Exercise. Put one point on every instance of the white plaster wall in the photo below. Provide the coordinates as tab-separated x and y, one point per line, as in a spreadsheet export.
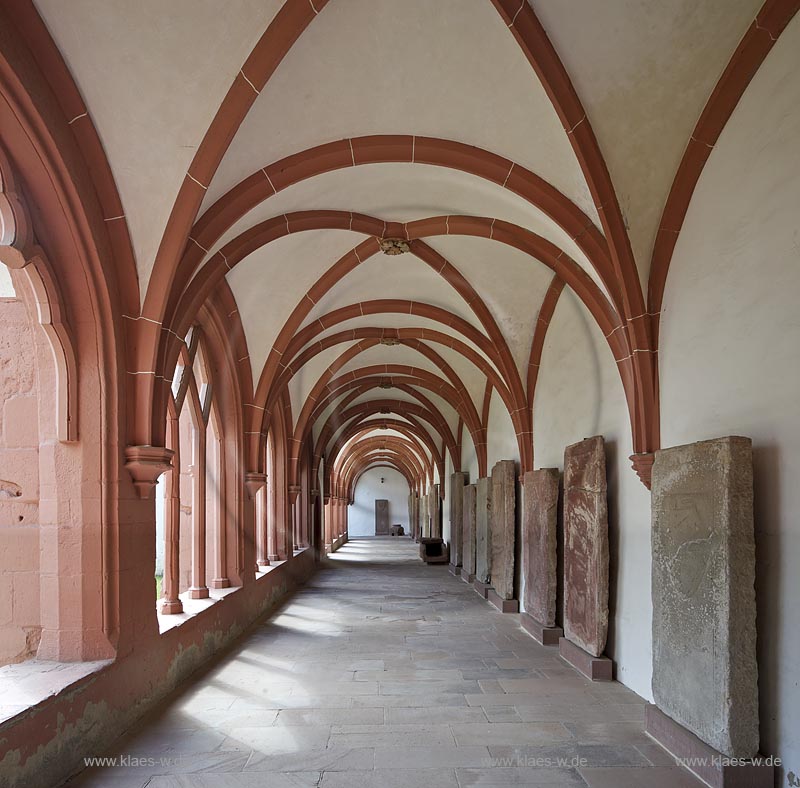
729	357
644	70
579	394
501	440
6	285
469	459
448	472
361	521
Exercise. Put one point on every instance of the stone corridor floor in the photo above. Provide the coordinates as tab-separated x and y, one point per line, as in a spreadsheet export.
385	672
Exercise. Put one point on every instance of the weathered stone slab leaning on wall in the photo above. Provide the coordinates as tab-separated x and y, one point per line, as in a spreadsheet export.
483	532
468	532
435	512
424	525
705	674
586	545
539	544
503	527
457	482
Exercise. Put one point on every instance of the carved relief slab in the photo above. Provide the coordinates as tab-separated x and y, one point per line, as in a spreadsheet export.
457	481
503	527
539	546
483	530
468	529
586	545
703	574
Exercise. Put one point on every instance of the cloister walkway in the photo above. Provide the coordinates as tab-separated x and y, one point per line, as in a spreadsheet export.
386	672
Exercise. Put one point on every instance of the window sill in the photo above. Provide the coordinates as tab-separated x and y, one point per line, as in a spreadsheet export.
192	607
267	569
27	684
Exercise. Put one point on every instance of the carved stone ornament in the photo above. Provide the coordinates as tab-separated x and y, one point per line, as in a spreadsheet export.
393	246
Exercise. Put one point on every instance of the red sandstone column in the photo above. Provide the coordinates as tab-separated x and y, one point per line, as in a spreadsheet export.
272	536
253	484
328	525
274	549
133	609
294	516
315	514
199	590
170	602
341	519
304	535
308	518
283	521
221	579
305	518
262	552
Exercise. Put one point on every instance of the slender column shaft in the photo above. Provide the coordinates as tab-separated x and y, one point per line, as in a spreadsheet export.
170	602
221	579
262	549
272	537
199	590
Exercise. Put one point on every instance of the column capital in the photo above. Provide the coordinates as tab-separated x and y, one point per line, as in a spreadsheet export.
294	491
253	482
145	464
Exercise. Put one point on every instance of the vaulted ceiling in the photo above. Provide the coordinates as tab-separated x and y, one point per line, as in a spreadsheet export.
274	145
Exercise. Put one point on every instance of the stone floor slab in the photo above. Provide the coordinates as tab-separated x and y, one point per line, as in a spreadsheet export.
652	777
529	777
390	778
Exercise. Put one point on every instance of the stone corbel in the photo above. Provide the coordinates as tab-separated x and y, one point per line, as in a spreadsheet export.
253	482
643	465
145	464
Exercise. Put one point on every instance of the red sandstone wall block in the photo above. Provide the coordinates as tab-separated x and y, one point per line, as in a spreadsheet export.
21	422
